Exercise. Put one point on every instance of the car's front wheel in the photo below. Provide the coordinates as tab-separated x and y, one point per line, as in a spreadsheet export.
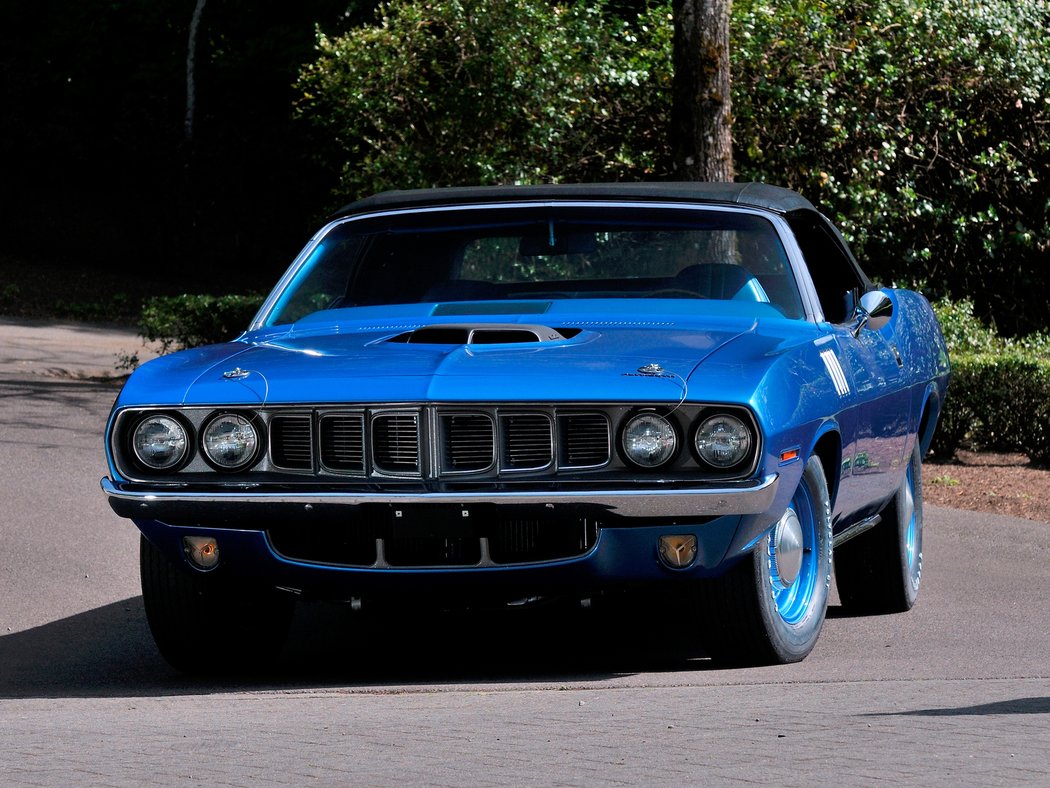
770	608
203	623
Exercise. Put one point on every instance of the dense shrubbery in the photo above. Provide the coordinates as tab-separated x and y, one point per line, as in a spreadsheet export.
179	322
999	396
921	126
453	92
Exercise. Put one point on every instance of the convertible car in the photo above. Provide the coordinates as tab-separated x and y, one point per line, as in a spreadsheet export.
489	395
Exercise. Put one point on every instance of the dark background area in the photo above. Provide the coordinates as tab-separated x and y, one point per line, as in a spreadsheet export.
104	201
98	176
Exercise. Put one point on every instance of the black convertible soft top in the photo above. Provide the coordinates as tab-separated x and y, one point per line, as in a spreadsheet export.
758	195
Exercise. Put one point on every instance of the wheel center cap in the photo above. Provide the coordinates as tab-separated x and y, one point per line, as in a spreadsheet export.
787	547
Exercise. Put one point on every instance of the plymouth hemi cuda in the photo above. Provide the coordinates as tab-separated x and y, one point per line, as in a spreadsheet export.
489	395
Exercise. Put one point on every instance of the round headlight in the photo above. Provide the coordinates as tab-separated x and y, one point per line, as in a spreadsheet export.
723	441
649	440
159	442
230	441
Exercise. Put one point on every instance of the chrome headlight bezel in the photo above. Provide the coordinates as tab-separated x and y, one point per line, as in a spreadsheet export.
180	440
724	442
658	433
228	428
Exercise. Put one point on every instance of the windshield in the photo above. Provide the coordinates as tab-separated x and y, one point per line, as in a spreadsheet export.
542	253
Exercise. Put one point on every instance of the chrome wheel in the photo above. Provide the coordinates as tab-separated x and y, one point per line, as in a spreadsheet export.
792	570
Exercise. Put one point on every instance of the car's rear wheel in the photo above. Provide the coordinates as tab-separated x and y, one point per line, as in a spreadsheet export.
203	623
770	608
880	571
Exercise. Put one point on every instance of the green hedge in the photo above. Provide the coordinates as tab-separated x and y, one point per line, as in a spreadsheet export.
999	396
999	402
180	322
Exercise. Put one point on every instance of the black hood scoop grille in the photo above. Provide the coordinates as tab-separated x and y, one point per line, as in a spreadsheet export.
484	334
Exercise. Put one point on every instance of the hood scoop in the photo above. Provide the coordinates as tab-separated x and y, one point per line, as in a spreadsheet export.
484	334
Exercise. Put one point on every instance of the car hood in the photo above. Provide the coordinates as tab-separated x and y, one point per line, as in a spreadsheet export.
633	361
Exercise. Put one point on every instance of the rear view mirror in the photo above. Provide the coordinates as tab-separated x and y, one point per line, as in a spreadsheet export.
563	243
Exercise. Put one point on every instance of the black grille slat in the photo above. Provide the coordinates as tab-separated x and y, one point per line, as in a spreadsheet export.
343	442
395	443
528	441
469	442
291	442
584	440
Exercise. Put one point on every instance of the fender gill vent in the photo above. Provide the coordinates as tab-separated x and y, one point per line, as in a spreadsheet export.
487	334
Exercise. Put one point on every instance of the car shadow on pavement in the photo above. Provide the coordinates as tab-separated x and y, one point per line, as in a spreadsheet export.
1034	705
109	652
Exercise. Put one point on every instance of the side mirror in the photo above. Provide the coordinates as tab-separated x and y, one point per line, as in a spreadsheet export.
874	311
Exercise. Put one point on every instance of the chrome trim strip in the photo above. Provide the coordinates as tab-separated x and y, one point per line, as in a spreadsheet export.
752	498
855	530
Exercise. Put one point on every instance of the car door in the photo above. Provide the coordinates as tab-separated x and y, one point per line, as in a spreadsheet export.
875	423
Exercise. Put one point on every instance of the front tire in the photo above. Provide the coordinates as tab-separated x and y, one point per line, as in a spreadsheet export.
770	608
880	571
203	623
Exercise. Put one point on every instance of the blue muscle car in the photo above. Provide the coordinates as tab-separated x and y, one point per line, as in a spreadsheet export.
509	393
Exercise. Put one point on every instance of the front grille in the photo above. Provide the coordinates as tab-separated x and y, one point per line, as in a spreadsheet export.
445	447
291	442
364	442
528	441
584	440
371	540
395	443
343	442
528	541
469	442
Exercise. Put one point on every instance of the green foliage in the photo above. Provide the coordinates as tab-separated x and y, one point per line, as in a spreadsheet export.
963	331
113	307
999	401
999	396
447	92
921	126
10	294
185	321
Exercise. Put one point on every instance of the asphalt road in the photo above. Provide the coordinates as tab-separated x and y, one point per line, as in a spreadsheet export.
955	692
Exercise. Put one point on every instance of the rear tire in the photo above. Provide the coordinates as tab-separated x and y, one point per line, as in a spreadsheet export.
770	608
203	623
880	571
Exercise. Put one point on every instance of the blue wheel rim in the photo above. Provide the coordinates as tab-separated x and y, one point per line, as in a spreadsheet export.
793	600
913	529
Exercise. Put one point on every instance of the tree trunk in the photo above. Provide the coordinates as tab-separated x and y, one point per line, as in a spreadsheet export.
701	112
191	81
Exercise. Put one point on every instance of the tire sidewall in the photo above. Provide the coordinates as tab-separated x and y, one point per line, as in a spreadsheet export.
792	641
911	572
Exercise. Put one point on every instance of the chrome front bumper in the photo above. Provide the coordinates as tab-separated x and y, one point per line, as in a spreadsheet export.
181	505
